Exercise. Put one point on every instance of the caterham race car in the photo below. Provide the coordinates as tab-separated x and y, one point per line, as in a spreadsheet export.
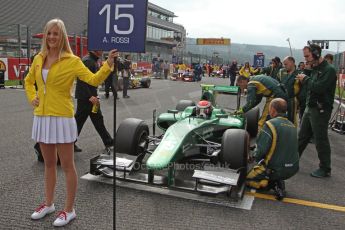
202	149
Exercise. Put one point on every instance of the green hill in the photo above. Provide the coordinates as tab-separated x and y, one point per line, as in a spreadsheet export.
244	52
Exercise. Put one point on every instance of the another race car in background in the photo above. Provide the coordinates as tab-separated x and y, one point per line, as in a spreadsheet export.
183	76
135	82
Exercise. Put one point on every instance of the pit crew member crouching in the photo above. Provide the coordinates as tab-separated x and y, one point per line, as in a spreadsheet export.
276	152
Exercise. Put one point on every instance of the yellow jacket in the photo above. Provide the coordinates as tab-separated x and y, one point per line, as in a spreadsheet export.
247	72
55	97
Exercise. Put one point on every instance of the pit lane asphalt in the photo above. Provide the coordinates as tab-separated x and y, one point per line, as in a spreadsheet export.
21	180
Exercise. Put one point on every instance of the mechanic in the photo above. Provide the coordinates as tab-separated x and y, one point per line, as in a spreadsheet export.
86	96
321	86
262	86
273	69
276	161
287	77
302	96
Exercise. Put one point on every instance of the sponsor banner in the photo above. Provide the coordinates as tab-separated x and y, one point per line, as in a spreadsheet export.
213	41
16	70
13	71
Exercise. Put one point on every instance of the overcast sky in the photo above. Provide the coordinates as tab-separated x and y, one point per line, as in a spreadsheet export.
267	22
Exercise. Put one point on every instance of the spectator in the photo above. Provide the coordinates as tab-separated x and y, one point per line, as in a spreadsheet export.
233	70
126	73
166	68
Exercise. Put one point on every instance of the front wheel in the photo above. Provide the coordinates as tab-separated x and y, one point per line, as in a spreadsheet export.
132	137
235	148
252	117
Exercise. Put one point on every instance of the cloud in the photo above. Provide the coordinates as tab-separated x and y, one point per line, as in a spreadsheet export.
268	22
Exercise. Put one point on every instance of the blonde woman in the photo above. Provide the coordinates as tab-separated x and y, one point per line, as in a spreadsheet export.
54	70
245	72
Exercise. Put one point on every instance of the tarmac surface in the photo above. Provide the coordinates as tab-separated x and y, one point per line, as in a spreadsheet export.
21	177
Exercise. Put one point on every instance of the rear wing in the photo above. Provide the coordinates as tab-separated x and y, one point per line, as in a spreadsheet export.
209	92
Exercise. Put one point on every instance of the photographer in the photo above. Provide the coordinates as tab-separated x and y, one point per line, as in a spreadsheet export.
321	86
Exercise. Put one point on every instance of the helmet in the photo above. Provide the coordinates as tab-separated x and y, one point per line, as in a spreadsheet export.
204	109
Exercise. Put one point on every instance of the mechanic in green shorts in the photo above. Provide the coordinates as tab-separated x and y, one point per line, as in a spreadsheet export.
262	86
287	77
276	151
321	86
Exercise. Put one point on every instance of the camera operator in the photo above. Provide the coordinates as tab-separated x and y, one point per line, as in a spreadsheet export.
321	86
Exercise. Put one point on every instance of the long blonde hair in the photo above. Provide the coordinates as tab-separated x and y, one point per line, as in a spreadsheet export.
63	44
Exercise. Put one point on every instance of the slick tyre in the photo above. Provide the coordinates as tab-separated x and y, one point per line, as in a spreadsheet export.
252	117
183	104
132	137
145	82
234	150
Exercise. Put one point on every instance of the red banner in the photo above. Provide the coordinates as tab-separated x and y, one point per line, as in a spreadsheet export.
16	71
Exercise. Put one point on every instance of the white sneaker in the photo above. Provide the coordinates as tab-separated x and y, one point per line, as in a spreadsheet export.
64	218
42	211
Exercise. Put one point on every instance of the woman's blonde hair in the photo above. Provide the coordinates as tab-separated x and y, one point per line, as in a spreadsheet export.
63	44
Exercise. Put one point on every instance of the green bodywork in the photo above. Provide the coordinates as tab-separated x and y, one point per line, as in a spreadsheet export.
183	130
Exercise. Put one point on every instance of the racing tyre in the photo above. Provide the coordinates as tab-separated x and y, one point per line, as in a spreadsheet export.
146	82
183	104
252	117
234	150
132	137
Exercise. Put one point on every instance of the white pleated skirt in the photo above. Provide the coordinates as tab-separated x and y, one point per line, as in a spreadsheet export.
54	130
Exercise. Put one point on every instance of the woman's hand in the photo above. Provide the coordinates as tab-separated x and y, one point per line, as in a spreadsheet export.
112	54
35	102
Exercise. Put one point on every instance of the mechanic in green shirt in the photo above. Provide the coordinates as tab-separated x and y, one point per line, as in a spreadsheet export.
321	86
273	69
287	77
262	86
302	96
276	151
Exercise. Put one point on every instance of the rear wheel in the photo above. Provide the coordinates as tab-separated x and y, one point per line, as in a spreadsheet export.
252	117
132	137
183	104
145	82
234	150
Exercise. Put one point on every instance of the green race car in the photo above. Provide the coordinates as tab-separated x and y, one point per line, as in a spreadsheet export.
203	148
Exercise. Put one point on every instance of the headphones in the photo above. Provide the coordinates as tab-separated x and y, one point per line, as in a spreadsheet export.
315	51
